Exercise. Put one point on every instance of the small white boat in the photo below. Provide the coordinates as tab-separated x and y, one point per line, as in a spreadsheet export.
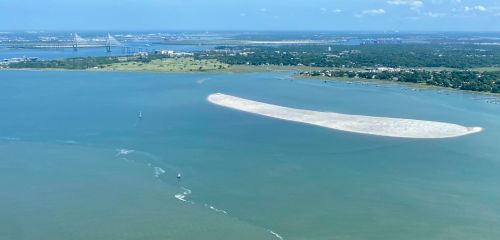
179	176
140	114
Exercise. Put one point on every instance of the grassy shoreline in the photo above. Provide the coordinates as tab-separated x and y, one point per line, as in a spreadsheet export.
417	86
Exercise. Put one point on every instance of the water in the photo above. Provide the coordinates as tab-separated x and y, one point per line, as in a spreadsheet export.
77	163
128	48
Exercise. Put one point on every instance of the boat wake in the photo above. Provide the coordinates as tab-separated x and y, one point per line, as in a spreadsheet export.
158	171
124	152
182	196
201	81
275	234
184	192
215	209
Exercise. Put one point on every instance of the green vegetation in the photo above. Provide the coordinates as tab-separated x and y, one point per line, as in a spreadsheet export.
486	81
168	65
397	55
466	67
70	63
153	63
459	66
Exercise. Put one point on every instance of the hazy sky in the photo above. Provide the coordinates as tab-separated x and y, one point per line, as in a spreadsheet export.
250	15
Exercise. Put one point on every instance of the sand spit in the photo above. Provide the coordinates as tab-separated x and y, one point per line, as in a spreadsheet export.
381	126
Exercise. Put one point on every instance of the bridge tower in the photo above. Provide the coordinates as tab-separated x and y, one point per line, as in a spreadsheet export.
108	43
75	42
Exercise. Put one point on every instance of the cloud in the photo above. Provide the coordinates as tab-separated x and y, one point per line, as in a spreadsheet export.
446	1
479	8
325	10
435	15
263	9
373	12
413	3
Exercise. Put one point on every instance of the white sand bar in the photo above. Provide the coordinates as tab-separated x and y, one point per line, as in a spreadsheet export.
382	126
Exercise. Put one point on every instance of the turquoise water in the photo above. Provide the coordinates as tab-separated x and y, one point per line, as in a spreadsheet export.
65	172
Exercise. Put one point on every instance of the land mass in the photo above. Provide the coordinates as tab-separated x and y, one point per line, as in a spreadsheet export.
380	126
458	66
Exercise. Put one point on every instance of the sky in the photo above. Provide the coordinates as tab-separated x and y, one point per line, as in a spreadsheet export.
295	15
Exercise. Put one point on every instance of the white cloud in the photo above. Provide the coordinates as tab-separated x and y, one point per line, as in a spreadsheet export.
263	9
435	15
325	10
479	8
373	12
243	14
413	4
437	2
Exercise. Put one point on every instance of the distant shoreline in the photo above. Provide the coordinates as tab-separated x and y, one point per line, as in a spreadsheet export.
234	69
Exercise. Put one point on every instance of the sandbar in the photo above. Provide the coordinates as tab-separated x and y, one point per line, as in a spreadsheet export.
373	125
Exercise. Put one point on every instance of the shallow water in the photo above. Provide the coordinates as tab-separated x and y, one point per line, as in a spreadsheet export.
67	170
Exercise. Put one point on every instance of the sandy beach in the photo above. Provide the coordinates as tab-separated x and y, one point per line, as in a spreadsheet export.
381	126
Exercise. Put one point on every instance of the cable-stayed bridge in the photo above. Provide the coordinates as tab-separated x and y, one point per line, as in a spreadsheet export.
76	42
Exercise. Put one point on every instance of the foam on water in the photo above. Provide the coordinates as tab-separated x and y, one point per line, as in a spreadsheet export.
182	196
201	81
185	192
275	234
157	171
216	209
124	151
